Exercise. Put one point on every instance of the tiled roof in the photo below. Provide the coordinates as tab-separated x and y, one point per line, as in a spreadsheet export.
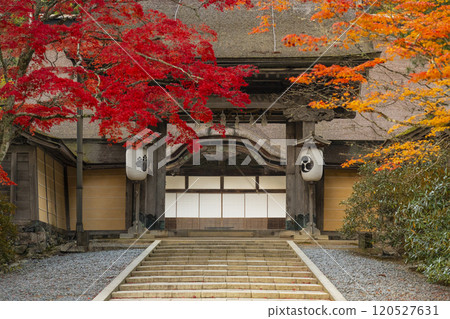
233	27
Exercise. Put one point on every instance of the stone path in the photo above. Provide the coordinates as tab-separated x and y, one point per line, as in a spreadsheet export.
231	269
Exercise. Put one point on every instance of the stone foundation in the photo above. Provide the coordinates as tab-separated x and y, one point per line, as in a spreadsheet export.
37	237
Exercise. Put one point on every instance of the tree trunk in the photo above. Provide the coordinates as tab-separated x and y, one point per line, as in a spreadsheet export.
6	137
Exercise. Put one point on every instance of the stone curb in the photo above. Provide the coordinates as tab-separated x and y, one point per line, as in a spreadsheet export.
106	293
326	283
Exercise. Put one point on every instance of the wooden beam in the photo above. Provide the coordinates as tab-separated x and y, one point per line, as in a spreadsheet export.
306	113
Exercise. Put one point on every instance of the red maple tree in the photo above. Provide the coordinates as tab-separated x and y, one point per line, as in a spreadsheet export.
129	70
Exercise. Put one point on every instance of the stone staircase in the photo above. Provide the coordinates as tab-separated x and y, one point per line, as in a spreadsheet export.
225	269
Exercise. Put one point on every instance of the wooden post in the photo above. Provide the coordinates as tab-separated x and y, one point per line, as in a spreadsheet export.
319	200
291	199
161	173
137	192
66	198
129	204
34	195
155	198
294	183
311	208
81	238
306	189
308	128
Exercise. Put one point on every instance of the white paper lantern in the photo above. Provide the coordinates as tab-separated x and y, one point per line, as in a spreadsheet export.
136	164
311	161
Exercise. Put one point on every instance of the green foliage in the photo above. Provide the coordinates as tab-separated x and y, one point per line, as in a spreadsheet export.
427	230
406	209
8	232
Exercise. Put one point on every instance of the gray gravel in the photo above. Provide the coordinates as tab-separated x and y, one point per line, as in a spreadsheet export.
64	277
365	278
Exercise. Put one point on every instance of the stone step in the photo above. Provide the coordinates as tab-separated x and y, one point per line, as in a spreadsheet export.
223	245
151	262
222	293
222	267
221	250
240	247
257	279
229	248
199	272
220	233
224	253
219	285
215	258
199	299
187	254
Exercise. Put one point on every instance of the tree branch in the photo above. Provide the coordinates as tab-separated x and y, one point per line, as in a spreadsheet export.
194	77
4	66
51	117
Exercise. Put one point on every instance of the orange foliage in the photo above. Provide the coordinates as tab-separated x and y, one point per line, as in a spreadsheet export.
413	30
394	155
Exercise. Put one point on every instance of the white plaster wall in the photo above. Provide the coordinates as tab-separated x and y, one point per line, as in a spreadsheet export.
233	205
256	205
175	182
272	182
210	205
277	205
204	182
239	182
171	205
187	205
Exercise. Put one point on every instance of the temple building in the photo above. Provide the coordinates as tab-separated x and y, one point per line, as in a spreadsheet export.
249	180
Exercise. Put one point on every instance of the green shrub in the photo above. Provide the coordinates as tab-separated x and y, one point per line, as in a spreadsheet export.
406	209
8	232
427	230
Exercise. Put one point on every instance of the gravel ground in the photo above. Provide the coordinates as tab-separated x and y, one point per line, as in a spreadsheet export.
64	277
366	278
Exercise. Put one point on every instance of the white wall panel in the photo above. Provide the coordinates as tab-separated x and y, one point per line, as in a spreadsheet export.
233	205
187	205
175	182
239	182
210	205
204	182
256	205
277	205
171	205
272	182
